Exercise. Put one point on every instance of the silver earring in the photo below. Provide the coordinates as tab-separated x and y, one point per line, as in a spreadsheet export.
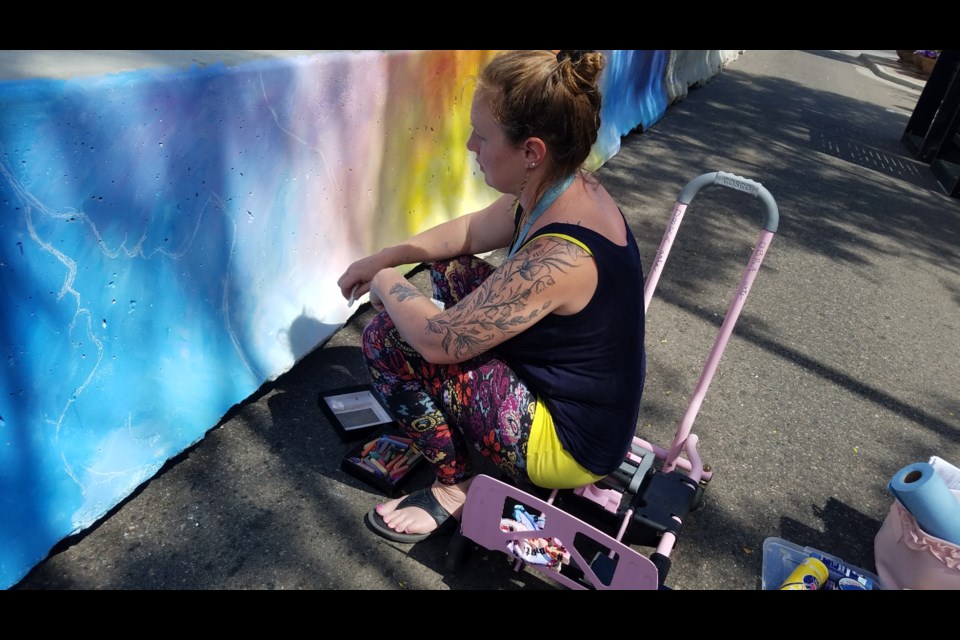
533	164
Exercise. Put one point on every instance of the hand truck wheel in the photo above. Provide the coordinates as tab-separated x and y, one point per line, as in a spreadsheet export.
456	551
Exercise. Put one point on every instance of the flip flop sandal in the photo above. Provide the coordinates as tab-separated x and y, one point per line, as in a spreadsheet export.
422	498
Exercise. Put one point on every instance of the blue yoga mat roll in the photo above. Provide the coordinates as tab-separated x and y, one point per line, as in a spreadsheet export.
929	500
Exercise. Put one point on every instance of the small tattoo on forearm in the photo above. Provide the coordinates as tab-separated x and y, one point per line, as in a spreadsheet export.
403	291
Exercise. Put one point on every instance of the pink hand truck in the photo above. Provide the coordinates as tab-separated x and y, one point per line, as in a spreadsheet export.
644	502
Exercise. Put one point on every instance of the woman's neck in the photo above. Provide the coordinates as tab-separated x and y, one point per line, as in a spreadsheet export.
535	191
532	216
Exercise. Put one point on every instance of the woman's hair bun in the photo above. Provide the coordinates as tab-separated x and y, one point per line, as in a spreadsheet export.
573	55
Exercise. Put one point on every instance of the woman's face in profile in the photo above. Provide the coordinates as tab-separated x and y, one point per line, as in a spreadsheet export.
503	165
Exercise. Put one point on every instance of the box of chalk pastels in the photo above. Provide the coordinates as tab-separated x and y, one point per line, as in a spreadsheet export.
385	460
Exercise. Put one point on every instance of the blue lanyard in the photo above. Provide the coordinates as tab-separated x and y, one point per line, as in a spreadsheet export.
548	198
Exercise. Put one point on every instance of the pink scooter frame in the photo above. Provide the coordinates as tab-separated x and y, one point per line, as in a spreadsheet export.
614	564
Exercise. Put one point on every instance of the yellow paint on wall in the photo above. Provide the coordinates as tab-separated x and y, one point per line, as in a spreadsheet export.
428	175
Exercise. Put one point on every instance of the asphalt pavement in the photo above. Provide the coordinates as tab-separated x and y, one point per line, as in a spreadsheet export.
841	370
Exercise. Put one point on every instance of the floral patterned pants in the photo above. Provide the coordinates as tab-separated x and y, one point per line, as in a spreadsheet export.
445	409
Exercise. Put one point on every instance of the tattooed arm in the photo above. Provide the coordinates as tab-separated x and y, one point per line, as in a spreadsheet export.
474	233
549	275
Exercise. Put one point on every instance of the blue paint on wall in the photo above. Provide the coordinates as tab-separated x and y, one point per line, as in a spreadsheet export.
117	356
634	95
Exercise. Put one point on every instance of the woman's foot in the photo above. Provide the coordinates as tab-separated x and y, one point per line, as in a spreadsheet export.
416	520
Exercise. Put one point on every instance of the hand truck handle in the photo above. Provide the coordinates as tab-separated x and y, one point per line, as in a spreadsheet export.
732	181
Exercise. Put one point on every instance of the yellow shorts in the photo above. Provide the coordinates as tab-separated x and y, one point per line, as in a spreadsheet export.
549	465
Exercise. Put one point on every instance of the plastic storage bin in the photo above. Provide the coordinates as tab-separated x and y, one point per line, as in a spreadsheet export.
781	557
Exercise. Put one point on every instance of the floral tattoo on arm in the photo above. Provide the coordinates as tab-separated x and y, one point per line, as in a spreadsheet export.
498	309
404	291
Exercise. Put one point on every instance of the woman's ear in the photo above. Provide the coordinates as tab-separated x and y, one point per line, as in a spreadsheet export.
535	151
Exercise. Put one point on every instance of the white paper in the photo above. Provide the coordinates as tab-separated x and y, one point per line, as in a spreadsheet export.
947	471
357	410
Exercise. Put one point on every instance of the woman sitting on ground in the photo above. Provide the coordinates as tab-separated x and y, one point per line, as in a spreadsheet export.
538	363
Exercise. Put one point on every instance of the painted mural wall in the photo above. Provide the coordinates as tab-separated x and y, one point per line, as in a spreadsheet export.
170	240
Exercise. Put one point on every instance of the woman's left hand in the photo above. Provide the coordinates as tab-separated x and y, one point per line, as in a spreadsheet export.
377	284
376	302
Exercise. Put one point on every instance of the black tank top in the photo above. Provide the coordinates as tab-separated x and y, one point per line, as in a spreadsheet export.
589	367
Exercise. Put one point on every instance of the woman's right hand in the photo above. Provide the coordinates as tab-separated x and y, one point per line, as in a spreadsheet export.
359	275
